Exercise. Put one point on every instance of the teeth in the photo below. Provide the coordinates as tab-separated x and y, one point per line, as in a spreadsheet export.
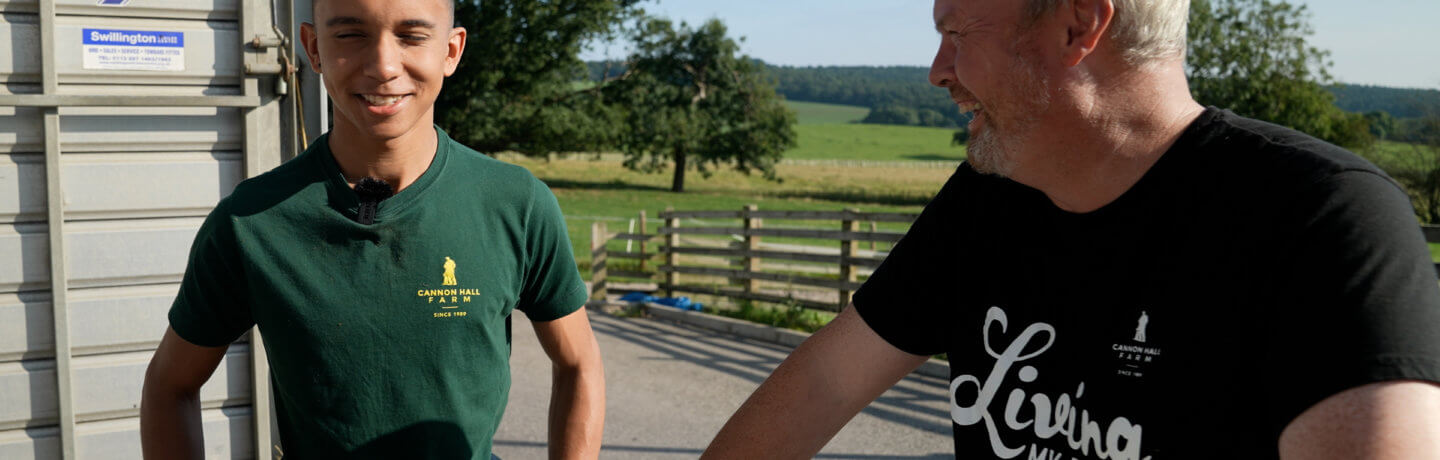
970	107
381	100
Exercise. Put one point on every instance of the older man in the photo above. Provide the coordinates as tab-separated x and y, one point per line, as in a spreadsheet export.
1118	272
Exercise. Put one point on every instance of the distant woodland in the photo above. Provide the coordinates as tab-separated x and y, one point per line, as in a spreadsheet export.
903	96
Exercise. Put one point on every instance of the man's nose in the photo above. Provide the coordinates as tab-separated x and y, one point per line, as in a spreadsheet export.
385	61
942	69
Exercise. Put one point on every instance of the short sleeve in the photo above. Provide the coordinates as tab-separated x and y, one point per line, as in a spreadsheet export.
911	297
1356	302
211	309
552	285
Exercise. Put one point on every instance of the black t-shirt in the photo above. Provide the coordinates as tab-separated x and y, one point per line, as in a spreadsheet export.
1251	273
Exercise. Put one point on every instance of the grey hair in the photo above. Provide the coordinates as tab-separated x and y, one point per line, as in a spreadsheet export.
1146	30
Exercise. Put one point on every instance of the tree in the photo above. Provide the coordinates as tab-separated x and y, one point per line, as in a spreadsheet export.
687	95
516	87
1251	56
1417	167
892	115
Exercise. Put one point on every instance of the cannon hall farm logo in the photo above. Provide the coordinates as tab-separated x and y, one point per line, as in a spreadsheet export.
449	300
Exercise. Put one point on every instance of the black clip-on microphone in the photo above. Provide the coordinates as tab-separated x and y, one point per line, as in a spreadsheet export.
371	192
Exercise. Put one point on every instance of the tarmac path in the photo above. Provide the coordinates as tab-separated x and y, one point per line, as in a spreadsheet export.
670	388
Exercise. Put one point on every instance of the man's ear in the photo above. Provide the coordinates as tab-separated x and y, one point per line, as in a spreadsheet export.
312	48
455	48
1086	22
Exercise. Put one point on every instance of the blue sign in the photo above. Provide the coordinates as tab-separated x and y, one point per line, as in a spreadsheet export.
134	38
112	2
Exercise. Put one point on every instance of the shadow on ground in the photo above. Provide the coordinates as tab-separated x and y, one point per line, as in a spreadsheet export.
899	405
634	450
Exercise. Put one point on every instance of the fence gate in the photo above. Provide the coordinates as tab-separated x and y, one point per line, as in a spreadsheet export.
122	122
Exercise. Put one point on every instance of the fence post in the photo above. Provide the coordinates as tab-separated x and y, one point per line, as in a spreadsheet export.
848	248
751	263
672	241
873	228
597	261
644	258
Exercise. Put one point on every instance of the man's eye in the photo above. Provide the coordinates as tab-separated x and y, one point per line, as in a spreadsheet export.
414	38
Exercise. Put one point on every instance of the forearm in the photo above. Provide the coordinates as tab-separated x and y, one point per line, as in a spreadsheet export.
170	425
813	393
577	411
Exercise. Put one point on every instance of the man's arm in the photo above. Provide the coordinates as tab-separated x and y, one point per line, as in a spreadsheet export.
577	394
820	387
170	401
1388	420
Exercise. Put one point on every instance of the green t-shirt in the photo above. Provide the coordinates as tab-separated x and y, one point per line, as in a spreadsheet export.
385	340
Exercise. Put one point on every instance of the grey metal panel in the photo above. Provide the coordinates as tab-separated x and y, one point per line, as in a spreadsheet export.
228	435
102	253
29	243
188	9
106	387
150	129
20	130
24	326
150	184
104	320
212	52
22	188
128	252
120	185
20	60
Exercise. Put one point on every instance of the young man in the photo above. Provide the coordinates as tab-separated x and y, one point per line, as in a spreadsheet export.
385	318
1118	272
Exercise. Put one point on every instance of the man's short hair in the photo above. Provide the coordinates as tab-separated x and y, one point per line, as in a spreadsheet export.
448	3
1146	30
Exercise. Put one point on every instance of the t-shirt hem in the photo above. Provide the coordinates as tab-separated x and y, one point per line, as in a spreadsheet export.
187	332
559	309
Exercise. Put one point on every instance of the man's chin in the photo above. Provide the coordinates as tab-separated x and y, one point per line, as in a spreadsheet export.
987	157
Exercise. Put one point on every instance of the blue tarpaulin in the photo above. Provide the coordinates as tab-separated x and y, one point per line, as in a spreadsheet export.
682	303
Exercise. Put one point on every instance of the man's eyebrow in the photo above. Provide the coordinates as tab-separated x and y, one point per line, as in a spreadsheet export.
344	21
417	23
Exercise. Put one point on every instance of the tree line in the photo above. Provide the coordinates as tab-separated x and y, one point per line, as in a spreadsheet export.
687	99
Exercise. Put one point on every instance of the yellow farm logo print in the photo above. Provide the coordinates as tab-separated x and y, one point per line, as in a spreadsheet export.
448	299
449	273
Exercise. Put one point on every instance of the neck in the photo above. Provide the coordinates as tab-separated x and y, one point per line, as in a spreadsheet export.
399	161
1121	128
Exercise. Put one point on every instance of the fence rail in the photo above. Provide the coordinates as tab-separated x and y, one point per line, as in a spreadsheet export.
744	255
745	270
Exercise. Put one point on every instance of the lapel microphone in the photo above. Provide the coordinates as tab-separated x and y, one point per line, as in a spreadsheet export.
371	192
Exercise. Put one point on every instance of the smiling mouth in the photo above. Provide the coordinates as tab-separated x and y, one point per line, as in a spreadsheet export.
969	107
381	101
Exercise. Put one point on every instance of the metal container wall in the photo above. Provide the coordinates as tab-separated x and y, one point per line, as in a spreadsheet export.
107	169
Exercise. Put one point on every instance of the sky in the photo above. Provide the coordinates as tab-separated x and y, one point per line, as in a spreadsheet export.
1374	42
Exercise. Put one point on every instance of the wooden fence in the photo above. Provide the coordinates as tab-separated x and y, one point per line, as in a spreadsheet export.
746	263
745	275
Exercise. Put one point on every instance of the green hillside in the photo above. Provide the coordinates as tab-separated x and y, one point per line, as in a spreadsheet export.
874	143
815	113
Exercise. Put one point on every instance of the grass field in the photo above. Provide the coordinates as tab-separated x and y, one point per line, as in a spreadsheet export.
603	191
829	132
815	113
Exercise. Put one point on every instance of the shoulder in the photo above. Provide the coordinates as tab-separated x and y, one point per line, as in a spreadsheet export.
292	179
496	179
1282	153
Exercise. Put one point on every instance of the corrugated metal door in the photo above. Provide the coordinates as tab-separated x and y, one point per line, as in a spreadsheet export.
122	122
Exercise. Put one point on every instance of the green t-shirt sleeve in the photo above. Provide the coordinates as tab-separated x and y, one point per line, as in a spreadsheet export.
552	286
211	309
